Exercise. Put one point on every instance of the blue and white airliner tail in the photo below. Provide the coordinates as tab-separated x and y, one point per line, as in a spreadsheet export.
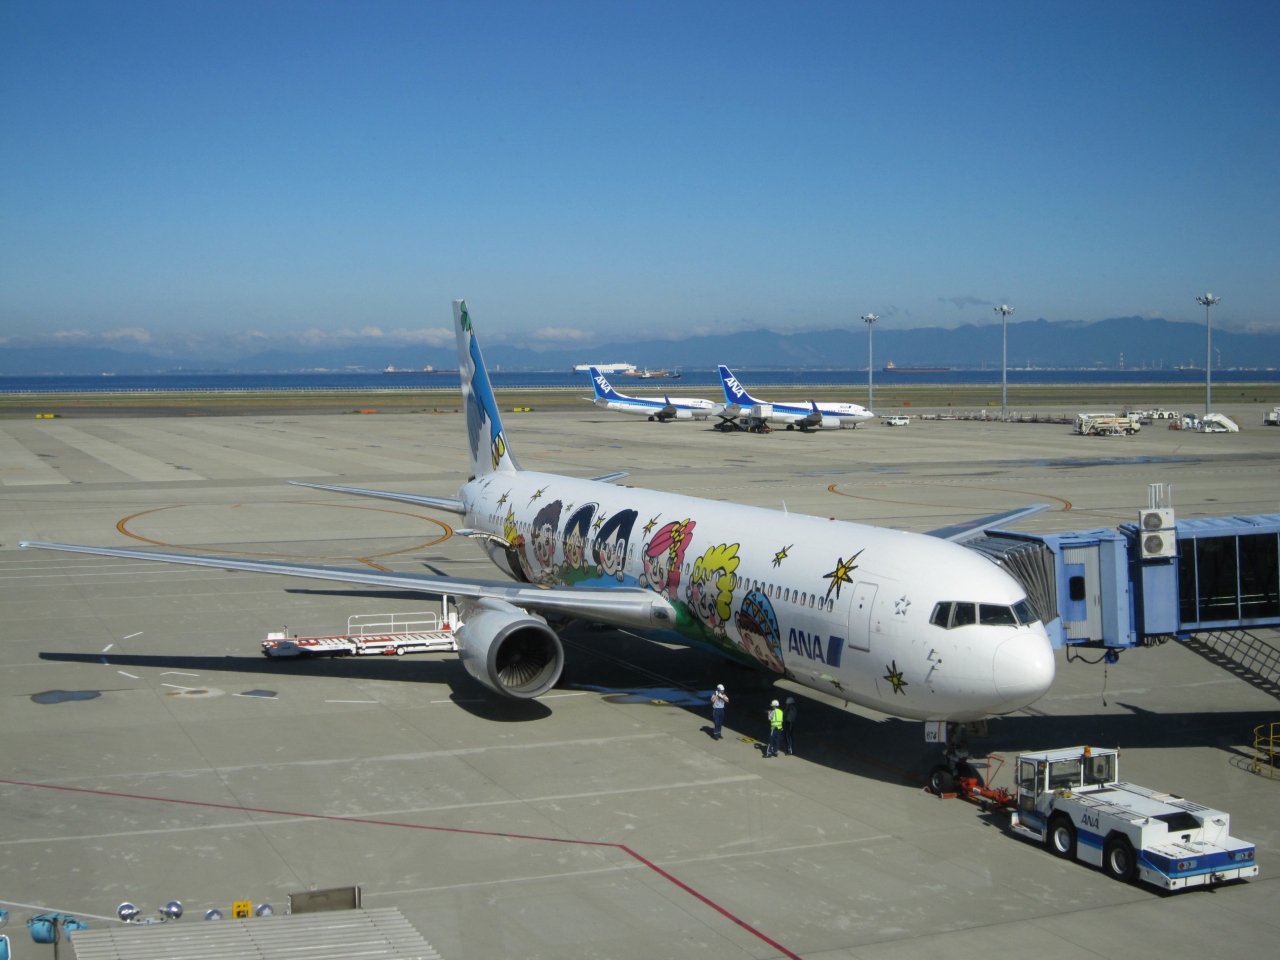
913	625
809	415
668	408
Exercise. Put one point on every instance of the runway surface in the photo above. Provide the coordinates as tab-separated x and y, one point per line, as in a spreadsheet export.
151	753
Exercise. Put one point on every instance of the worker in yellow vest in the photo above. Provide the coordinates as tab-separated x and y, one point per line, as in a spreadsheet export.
775	729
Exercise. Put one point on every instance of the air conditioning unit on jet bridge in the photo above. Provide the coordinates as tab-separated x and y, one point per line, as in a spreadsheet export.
1157	535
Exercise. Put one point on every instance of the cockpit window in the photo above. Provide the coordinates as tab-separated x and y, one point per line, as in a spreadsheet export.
963	615
1025	612
941	615
996	615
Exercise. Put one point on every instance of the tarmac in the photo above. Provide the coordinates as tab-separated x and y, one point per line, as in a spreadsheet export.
150	753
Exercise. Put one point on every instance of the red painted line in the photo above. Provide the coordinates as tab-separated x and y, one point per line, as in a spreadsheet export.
422	826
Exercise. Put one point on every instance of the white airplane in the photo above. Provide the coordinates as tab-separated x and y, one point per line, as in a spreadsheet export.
668	408
908	624
806	416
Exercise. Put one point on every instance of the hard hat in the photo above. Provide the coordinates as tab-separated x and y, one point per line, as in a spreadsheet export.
719	686
774	704
791	699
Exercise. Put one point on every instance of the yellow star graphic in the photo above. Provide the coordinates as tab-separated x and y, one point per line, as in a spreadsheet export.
894	676
537	495
841	574
599	522
503	499
781	555
648	527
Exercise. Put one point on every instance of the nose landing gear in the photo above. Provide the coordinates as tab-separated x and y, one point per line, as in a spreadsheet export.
956	776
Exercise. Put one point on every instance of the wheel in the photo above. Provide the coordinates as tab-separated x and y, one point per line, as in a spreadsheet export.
399	651
651	419
941	781
1118	859
791	426
1062	836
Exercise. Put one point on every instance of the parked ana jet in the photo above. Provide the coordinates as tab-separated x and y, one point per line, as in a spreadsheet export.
808	415
668	408
908	624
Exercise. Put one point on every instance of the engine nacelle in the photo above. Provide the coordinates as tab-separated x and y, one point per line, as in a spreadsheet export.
683	414
510	651
830	423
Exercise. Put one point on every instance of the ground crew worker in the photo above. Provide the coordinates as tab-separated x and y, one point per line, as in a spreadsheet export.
718	700
775	729
789	725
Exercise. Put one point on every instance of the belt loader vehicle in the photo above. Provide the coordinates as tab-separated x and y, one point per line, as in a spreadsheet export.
1072	801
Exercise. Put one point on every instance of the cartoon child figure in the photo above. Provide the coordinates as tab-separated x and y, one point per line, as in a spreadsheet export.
577	531
710	591
610	548
542	545
664	555
758	627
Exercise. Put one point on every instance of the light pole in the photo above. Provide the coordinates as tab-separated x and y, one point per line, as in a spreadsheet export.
1207	301
1004	310
869	320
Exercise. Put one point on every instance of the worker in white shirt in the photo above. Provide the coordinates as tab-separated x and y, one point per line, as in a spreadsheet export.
718	701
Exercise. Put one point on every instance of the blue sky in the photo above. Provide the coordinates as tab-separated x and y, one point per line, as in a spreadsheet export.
235	173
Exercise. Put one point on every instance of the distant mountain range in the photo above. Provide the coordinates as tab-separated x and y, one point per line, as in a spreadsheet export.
1039	343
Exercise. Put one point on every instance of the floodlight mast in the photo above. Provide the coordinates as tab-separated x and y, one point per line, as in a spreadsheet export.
869	320
1207	301
1004	310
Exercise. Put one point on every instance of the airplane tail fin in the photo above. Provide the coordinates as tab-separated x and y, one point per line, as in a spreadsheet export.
604	390
734	392
488	441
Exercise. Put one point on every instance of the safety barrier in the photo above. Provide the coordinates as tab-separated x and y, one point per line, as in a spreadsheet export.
1266	745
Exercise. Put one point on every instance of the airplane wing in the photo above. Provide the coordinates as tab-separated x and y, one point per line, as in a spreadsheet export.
451	504
960	532
610	477
622	606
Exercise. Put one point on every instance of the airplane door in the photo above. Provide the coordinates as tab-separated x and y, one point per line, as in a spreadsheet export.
860	609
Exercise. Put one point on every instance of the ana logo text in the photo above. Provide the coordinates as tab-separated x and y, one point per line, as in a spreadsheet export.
1089	820
811	647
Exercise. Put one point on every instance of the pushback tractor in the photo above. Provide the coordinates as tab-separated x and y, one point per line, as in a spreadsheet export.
1073	801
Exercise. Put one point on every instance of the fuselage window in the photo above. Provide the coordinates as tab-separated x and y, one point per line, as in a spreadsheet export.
786	594
812	597
941	615
996	615
963	615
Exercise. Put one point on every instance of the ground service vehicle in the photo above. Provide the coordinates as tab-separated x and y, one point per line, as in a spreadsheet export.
1073	801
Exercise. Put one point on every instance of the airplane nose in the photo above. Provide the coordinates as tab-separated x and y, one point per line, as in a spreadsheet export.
1024	669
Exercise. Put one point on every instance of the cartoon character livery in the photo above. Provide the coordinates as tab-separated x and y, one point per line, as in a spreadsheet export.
958	632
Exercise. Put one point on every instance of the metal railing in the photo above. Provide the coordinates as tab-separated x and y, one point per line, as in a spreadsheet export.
383	624
1266	746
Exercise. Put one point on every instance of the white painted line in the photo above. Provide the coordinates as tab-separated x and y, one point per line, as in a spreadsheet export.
552	696
448	701
178	673
351	701
176	687
383	758
129	675
103	661
252	696
132	635
256	823
107	647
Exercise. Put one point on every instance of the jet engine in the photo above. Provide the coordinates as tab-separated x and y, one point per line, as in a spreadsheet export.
510	651
830	423
682	414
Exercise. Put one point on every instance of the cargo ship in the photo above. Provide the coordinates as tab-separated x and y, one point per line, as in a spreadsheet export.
890	367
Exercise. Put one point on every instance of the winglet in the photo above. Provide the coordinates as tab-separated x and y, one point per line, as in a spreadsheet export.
968	530
488	441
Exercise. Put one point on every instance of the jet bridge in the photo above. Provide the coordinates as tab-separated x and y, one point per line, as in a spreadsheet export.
1147	580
